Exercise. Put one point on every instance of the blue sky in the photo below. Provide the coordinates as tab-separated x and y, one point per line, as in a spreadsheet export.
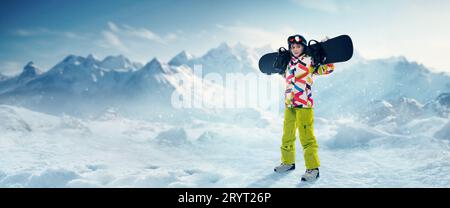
46	31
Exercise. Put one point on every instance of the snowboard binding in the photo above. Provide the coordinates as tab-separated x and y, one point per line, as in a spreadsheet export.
282	60
316	52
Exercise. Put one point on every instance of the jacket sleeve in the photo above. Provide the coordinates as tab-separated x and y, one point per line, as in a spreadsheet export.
322	69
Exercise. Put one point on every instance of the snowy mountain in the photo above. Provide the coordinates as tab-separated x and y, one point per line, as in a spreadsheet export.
150	78
440	105
81	84
381	111
77	74
180	59
149	86
444	100
73	74
399	111
119	63
355	87
226	59
29	72
384	88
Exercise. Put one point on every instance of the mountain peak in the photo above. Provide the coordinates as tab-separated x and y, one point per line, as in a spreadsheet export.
29	71
118	57
75	59
401	59
240	45
223	50
181	58
224	46
155	66
91	60
154	63
30	67
72	59
92	57
240	48
118	63
185	54
30	64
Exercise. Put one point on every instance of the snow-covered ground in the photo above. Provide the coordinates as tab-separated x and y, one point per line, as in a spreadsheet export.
40	150
111	123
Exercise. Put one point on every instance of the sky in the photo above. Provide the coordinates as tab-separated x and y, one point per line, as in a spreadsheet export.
46	31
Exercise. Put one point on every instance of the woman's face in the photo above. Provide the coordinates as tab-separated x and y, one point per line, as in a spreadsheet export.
296	49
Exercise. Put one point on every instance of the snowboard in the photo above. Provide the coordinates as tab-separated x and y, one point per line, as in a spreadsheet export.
271	63
334	50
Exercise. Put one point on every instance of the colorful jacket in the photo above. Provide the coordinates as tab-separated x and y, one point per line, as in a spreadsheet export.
299	79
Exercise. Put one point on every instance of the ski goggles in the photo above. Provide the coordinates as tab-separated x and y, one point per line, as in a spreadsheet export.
296	39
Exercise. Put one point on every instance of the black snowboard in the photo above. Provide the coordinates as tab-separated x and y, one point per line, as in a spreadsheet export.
267	64
334	50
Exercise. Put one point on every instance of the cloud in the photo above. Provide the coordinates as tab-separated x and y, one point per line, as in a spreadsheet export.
31	32
171	36
113	27
144	34
126	38
111	40
34	32
129	32
72	35
329	6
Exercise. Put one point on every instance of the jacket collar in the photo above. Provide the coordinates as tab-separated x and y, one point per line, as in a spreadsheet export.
296	60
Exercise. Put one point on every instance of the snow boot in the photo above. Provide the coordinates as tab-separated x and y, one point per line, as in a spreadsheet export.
311	175
284	168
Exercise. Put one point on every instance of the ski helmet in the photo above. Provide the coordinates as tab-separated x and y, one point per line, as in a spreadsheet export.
298	39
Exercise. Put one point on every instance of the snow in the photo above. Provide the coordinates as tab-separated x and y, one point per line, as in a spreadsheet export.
118	63
51	178
351	135
379	123
175	136
114	151
180	59
444	133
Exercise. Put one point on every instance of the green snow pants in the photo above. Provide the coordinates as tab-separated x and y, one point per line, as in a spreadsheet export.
303	120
